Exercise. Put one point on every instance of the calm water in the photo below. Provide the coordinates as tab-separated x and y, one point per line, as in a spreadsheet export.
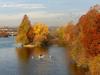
26	61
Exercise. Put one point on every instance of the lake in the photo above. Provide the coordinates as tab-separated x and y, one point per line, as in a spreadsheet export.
33	61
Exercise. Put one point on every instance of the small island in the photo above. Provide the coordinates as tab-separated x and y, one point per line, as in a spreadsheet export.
32	35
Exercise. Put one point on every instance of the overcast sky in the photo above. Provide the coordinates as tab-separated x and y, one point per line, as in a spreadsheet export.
51	12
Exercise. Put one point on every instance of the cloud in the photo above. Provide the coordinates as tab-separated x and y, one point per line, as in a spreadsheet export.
22	5
33	15
45	14
15	19
53	18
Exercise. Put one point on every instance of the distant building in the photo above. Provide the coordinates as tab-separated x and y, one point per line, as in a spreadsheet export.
7	31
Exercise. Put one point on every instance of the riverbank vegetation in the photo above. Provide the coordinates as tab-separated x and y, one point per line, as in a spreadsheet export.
82	39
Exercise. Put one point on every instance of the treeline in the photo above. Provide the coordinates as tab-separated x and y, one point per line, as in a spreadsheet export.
83	40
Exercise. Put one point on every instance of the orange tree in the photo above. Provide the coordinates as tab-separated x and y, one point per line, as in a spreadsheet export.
87	50
90	29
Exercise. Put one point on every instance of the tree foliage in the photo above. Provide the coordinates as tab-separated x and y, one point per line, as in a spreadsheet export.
40	31
69	33
90	24
22	31
86	48
28	34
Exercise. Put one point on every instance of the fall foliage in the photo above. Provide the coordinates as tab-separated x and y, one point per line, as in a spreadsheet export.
40	31
28	34
90	29
82	39
23	30
86	48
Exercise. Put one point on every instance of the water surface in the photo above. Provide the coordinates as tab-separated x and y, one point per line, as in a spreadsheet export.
33	61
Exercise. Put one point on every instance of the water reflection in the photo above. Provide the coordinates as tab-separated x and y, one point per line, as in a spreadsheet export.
31	60
73	68
41	61
76	70
35	61
25	54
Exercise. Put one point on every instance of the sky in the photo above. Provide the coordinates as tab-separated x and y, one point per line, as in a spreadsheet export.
50	12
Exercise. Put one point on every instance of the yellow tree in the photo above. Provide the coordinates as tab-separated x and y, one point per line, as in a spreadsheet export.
40	31
61	35
60	32
22	31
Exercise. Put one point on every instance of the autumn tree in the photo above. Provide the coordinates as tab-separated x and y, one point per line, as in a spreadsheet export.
38	33
90	24
22	31
73	43
90	28
61	35
69	33
87	49
66	34
30	34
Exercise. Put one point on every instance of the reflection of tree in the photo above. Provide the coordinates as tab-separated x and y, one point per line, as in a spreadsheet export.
26	66
25	53
37	51
76	70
